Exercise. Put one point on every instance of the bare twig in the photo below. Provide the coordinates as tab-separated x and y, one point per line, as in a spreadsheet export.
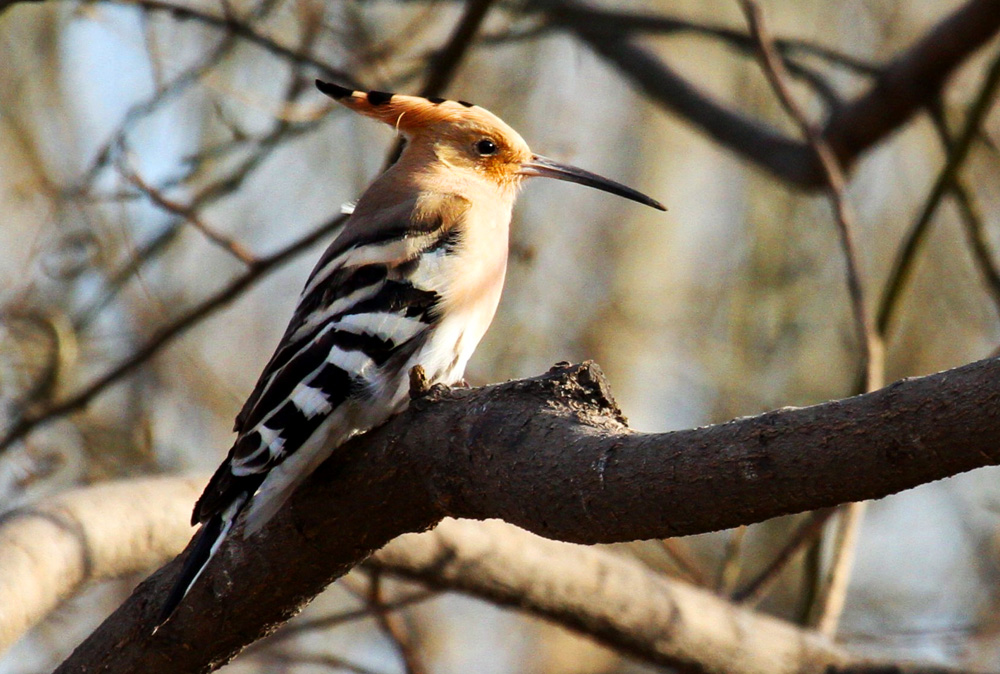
680	555
235	30
834	590
393	627
227	244
906	85
259	270
611	24
972	218
731	564
446	61
338	619
807	532
870	345
242	29
208	194
616	24
831	597
116	144
257	267
52	330
903	264
163	96
7	4
444	64
334	663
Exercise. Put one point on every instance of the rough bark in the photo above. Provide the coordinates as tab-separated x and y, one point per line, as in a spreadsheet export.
552	455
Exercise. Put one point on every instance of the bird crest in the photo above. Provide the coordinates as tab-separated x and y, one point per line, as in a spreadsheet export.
408	114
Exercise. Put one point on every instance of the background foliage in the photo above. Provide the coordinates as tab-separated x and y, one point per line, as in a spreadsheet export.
168	175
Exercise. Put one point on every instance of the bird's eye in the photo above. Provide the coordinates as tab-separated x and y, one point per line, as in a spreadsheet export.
486	147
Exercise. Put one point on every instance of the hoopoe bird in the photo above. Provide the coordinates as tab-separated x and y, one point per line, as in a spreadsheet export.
414	278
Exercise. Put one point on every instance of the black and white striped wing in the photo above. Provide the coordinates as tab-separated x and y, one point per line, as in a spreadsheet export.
366	308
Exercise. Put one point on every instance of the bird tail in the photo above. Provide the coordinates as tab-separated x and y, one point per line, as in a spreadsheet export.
207	542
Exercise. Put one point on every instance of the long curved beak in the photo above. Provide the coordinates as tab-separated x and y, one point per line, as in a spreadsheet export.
549	168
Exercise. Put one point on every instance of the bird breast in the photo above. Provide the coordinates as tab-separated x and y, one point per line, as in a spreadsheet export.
471	281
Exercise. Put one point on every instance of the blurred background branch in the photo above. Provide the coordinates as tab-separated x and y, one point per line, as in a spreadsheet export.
150	152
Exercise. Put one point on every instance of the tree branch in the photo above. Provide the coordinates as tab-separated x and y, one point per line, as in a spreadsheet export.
605	595
261	267
552	455
50	550
902	266
912	81
617	600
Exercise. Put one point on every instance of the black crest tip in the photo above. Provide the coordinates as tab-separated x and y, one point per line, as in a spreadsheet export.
334	91
379	97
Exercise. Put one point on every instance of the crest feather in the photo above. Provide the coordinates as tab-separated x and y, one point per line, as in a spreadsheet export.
408	114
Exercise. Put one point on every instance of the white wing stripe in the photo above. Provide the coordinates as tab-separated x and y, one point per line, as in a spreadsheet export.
384	325
310	401
395	249
355	362
338	306
374	253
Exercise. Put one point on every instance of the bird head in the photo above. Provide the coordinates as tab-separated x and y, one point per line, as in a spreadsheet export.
467	137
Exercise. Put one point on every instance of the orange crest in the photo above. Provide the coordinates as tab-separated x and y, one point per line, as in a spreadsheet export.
408	114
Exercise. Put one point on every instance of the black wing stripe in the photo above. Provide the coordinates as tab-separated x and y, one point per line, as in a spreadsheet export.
295	370
226	484
304	358
407	230
296	434
288	415
400	297
332	380
341	284
292	425
307	333
380	238
354	280
394	296
277	408
376	348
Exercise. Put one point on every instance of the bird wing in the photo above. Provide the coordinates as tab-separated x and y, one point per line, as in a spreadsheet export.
371	302
366	308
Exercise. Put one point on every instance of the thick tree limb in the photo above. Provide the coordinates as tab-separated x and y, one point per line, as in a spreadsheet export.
617	600
48	551
552	455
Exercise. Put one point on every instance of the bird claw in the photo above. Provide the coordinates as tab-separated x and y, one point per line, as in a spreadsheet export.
419	386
